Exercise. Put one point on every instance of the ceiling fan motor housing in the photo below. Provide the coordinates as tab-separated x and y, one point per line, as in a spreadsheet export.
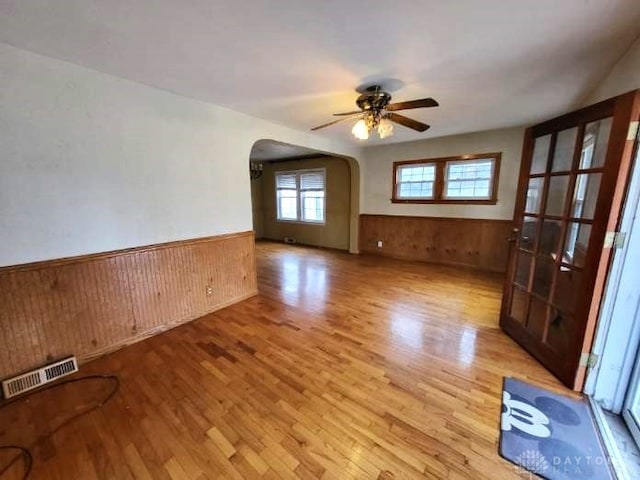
374	99
376	107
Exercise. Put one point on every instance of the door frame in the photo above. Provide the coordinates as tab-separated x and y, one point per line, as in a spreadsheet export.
617	338
623	109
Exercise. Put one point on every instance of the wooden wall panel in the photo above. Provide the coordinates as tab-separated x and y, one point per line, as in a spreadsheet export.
94	304
473	243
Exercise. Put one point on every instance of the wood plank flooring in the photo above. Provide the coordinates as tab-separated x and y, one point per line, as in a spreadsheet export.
343	367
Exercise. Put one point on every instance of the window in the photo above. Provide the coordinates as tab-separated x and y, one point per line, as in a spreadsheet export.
463	179
300	196
416	181
287	196
469	179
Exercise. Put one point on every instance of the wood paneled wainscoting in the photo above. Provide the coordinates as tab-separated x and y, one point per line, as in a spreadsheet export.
477	243
93	304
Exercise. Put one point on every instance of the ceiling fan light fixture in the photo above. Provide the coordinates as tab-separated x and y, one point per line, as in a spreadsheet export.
378	115
385	128
360	130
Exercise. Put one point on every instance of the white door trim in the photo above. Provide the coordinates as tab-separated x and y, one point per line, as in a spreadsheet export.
617	334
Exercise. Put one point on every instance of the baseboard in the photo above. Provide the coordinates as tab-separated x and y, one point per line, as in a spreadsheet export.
302	244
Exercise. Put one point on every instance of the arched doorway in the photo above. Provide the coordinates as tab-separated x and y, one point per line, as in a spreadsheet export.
336	227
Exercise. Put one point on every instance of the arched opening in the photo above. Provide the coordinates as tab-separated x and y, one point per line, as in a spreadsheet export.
336	226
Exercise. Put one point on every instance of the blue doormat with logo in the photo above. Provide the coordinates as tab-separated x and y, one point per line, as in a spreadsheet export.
550	435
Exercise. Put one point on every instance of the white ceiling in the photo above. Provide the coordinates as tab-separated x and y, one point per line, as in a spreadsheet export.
490	63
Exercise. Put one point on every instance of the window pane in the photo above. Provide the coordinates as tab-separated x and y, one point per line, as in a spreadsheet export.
286	180
534	195
522	270
575	249
538	312
566	295
415	190
313	206
529	233
543	275
562	328
312	180
557	195
563	154
596	136
287	201
550	237
519	305
540	154
415	181
288	209
469	179
585	195
418	173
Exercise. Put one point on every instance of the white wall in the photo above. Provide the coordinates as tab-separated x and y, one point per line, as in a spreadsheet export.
92	162
379	160
623	77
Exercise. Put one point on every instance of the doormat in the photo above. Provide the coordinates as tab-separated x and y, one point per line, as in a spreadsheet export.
550	435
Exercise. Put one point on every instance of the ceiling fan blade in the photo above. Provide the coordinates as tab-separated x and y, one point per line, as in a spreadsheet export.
334	122
422	103
407	122
357	112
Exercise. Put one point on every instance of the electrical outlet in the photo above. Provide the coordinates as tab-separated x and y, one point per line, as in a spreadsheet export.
379	243
209	290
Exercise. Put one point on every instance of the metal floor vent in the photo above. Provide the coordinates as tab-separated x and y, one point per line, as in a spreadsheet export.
35	378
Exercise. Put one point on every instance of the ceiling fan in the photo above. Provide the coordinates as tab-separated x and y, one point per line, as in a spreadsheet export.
377	113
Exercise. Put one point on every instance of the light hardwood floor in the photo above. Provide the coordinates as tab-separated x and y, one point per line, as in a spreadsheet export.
342	367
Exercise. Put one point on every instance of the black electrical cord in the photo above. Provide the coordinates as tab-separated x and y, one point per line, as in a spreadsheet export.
25	451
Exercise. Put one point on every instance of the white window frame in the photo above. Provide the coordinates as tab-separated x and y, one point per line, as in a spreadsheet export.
398	183
300	210
449	163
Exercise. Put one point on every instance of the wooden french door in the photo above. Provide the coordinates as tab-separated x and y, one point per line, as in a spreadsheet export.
572	184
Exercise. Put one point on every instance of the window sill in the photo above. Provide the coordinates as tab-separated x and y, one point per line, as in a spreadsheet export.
300	222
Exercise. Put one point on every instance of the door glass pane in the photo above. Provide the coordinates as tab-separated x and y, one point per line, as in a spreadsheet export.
557	195
585	195
563	153
522	269
560	331
519	305
529	233
537	317
543	276
566	293
575	247
550	237
594	147
534	195
540	154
